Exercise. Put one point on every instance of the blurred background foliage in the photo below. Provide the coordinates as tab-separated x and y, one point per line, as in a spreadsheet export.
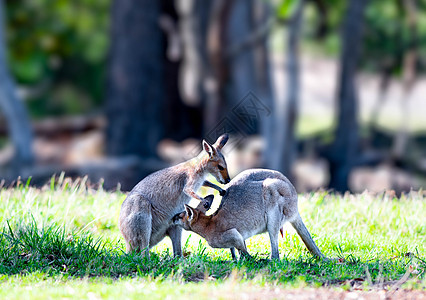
388	36
70	59
58	49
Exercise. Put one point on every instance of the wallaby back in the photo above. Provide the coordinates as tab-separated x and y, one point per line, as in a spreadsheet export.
256	201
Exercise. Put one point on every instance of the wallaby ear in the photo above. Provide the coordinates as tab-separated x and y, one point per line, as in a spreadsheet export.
208	148
208	200
221	141
190	212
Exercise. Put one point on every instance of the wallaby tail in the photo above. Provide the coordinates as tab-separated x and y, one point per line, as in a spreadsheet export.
306	237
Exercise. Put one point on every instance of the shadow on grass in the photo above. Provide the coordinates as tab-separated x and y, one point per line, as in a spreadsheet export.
53	250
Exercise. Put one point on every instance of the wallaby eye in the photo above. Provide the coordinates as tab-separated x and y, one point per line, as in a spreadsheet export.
220	168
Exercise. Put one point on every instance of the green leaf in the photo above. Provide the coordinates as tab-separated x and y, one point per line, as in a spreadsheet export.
285	8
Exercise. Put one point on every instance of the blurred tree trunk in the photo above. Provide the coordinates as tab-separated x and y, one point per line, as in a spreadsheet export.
284	152
14	110
217	72
322	27
344	151
239	75
409	77
242	72
385	80
263	13
135	94
193	64
182	69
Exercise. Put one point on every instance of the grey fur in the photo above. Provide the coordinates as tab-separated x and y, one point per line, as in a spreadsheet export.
146	213
256	201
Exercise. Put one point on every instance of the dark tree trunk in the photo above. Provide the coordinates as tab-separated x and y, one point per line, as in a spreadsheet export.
344	151
217	70
136	79
183	117
263	14
14	110
242	72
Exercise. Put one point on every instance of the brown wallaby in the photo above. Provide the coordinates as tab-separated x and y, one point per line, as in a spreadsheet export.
146	212
256	201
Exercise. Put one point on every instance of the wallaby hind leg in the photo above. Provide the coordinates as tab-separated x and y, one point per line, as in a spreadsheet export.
140	229
303	232
273	228
135	223
175	234
234	257
244	253
273	237
136	230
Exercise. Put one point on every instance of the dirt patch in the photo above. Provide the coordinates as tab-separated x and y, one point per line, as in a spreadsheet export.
322	293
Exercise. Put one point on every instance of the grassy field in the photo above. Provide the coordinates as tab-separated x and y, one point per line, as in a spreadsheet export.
63	241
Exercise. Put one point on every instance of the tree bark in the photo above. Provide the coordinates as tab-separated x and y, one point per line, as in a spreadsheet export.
191	70
182	70
18	122
409	78
242	72
284	151
344	150
264	16
135	94
217	73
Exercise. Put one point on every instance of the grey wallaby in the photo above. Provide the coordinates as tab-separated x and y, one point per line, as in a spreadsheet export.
146	213
256	201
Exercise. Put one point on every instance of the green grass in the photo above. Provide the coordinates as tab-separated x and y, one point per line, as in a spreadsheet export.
63	241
